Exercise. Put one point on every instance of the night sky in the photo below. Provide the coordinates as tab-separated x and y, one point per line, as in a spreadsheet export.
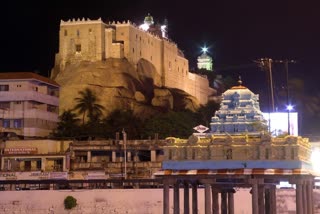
236	32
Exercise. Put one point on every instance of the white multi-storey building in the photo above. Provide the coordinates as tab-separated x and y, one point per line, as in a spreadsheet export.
28	104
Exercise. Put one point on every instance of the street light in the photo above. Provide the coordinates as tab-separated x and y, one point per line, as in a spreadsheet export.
289	108
125	152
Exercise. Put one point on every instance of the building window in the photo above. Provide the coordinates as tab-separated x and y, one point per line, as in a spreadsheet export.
78	48
65	33
151	58
6	123
132	50
51	108
17	123
17	102
90	30
122	34
4	87
4	105
35	88
78	33
18	86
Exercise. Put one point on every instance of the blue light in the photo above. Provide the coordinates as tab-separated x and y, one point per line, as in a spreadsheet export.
289	107
204	49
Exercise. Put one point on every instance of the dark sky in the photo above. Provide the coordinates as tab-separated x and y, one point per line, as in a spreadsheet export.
237	32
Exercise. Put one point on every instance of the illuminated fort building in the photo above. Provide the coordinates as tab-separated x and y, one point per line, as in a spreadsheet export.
95	40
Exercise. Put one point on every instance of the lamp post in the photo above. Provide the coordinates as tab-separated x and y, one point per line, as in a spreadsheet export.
289	108
125	152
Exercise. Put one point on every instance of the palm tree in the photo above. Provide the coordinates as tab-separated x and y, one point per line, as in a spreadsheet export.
87	105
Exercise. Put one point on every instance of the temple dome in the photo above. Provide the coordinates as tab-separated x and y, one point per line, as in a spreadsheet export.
239	112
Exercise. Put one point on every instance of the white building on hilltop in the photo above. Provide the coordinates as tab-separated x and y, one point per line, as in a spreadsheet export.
28	104
204	60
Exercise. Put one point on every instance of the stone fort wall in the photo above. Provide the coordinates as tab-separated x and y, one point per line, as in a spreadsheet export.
94	40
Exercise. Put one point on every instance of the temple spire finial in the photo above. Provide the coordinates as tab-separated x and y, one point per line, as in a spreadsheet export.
240	81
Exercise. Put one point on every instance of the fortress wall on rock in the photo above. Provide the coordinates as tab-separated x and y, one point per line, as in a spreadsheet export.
94	40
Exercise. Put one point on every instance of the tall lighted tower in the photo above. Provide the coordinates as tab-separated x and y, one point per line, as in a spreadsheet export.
204	60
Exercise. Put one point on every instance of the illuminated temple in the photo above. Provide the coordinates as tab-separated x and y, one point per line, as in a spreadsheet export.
238	152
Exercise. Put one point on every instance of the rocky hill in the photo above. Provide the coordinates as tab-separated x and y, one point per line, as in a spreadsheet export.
121	85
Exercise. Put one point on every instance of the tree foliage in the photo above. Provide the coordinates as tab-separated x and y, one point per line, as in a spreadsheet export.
70	202
87	105
165	124
68	125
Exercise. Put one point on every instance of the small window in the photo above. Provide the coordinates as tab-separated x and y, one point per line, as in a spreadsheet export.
17	123
4	105
151	58
78	33
18	86
6	123
35	88
90	30
4	87
17	102
122	34
132	50
78	48
65	33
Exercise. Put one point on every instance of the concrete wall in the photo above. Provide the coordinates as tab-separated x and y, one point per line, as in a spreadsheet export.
120	201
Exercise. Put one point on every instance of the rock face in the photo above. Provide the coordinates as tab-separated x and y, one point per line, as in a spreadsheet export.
119	85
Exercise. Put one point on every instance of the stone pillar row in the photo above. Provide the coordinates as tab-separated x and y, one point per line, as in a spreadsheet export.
211	200
304	195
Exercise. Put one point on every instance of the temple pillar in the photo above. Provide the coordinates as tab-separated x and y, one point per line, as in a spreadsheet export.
261	196
207	198
309	199
194	198
299	197
166	197
176	198
215	200
224	202
273	200
305	197
255	196
231	202
186	206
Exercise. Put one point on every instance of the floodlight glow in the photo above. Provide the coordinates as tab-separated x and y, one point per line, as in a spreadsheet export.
315	160
204	49
144	27
289	107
